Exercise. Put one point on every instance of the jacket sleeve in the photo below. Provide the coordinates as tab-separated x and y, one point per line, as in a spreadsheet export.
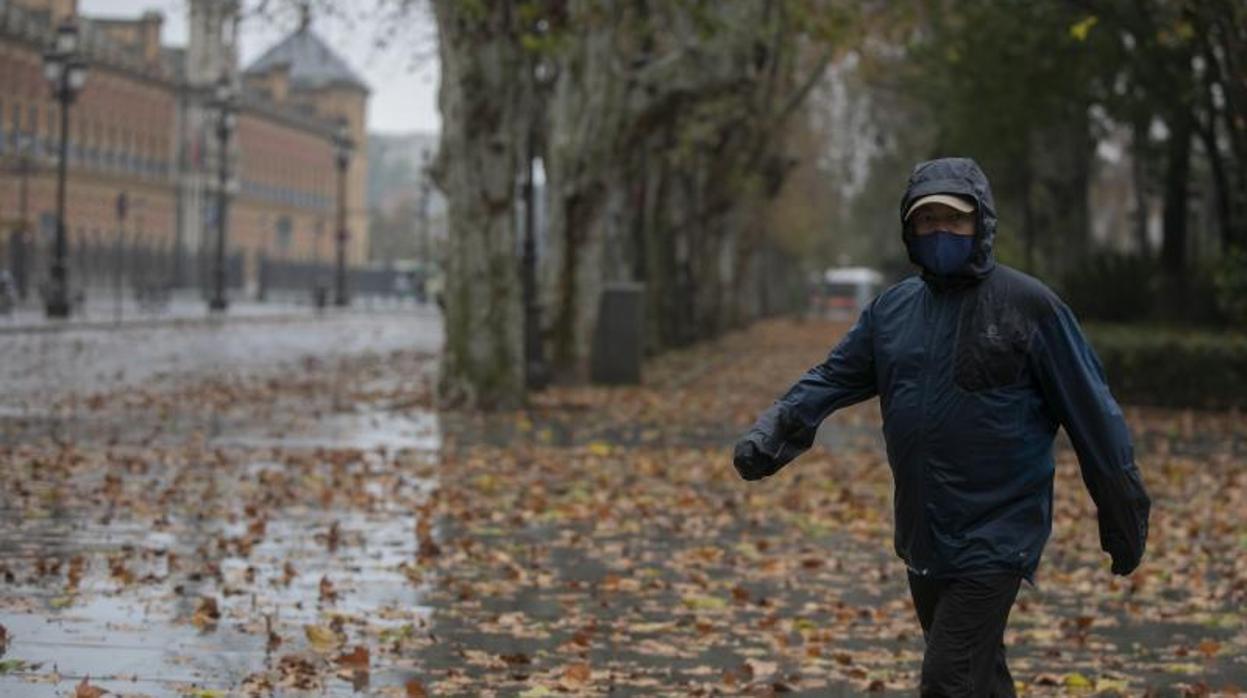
847	376
1072	381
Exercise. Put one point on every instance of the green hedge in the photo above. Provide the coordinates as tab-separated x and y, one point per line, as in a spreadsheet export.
1168	367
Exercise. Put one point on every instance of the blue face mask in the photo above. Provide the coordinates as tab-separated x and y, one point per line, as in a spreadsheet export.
942	252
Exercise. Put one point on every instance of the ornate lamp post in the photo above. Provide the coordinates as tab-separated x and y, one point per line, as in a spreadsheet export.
342	146
224	104
19	243
66	73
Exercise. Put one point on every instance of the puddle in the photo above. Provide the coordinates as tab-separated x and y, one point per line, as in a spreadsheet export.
365	431
299	560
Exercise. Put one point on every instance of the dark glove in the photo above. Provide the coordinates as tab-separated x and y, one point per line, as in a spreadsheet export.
1125	559
750	462
1123	523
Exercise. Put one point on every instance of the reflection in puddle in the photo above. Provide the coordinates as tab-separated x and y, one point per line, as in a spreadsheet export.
361	430
113	593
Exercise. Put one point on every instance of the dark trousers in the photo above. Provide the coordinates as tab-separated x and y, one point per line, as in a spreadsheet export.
963	623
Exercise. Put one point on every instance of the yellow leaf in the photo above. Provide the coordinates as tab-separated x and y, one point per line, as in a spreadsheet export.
600	448
322	638
1119	685
1080	29
1077	681
650	627
704	603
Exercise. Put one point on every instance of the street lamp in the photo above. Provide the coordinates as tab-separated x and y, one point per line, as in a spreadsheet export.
19	243
223	102
66	73
342	146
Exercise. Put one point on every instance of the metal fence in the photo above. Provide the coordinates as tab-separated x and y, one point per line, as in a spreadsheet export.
290	277
140	267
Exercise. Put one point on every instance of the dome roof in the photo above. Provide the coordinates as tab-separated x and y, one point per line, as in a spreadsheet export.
311	62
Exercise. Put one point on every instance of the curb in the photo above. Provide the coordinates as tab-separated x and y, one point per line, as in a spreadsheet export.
53	327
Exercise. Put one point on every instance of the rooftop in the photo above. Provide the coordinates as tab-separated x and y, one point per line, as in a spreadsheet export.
312	64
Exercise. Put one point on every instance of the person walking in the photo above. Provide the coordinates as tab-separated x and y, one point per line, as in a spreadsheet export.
976	365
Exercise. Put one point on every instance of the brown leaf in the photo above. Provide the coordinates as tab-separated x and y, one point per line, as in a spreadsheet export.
517	658
576	676
206	613
86	690
327	592
415	689
77	567
288	573
358	659
1209	648
334	538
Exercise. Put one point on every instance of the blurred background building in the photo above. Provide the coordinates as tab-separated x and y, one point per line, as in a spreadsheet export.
144	126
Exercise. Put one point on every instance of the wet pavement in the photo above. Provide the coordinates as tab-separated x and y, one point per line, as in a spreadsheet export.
247	531
129	615
39	368
187	508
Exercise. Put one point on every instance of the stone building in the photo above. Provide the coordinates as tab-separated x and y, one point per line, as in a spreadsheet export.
144	126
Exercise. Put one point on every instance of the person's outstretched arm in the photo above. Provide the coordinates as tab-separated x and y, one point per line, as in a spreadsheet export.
1072	380
787	428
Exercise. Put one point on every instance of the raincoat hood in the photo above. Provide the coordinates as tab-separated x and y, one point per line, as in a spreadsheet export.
963	177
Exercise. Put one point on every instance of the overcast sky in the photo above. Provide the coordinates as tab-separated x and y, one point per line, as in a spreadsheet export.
402	75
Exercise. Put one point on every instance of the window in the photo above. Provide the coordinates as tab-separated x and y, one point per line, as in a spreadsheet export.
284	234
17	126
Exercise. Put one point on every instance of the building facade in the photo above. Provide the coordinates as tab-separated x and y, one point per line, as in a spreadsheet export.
144	127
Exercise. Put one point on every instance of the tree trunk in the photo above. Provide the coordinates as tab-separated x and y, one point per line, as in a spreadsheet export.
1173	246
1177	174
662	121
481	97
1138	173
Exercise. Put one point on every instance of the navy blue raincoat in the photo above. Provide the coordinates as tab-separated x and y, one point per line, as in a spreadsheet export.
974	371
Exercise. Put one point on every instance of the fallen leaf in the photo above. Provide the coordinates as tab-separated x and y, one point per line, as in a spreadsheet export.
61	601
415	689
1105	684
704	603
203	693
321	637
1209	648
8	666
207	613
358	659
327	593
575	676
761	669
86	690
1077	680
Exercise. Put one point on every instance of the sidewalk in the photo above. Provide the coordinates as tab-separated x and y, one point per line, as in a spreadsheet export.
101	312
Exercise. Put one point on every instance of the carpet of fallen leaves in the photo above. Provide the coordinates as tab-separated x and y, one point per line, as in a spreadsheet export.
596	542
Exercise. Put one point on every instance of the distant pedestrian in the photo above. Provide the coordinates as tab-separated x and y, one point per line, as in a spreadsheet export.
975	365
